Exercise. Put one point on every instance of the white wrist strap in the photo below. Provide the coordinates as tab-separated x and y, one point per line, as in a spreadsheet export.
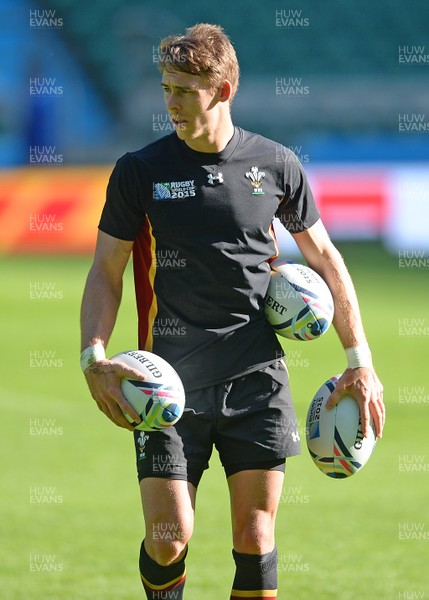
359	356
91	355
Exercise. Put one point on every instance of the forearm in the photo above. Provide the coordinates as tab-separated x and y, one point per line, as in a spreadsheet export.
347	318
100	305
324	258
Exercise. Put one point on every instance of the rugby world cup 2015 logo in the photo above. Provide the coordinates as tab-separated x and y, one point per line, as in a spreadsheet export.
161	191
256	178
174	190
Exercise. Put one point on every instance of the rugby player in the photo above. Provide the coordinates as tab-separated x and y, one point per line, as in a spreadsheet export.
207	195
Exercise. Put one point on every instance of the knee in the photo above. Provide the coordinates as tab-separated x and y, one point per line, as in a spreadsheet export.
167	541
166	553
254	535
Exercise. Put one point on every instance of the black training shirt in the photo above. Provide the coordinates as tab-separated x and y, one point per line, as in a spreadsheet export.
202	230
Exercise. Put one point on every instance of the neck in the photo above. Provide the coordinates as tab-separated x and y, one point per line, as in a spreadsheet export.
214	140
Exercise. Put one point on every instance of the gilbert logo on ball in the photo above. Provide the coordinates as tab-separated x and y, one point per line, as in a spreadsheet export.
160	399
334	437
298	303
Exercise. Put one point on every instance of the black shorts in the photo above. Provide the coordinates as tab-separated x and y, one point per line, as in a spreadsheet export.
250	420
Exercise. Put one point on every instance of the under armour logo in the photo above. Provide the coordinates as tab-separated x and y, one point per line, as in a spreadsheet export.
212	178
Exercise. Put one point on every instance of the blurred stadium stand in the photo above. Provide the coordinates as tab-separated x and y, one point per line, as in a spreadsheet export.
105	52
102	54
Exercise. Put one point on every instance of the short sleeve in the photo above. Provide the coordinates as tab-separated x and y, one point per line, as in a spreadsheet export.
124	210
297	210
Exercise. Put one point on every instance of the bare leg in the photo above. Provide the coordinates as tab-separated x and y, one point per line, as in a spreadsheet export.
168	507
255	496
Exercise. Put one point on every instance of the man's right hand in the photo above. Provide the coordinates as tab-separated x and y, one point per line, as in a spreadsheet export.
104	382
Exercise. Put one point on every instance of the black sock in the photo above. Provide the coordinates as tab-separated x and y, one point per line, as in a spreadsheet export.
255	573
162	583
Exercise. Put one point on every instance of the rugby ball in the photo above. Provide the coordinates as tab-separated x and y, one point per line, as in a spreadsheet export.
298	303
160	399
334	437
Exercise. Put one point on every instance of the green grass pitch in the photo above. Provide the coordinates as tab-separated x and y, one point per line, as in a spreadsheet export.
70	506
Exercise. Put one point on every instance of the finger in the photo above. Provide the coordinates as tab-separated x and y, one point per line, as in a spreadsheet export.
123	370
341	389
113	407
378	415
103	367
380	405
120	422
117	416
104	382
126	407
335	397
118	404
365	417
383	409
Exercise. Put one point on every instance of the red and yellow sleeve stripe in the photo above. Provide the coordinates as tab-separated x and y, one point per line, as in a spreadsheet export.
144	262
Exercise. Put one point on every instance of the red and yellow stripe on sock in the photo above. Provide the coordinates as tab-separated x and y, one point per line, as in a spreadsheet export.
174	584
254	594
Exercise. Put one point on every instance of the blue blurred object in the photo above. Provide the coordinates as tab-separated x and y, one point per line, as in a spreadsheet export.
46	97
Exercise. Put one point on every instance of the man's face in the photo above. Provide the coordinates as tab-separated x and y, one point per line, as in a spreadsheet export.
191	104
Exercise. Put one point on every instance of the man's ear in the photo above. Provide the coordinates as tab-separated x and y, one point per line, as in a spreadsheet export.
225	91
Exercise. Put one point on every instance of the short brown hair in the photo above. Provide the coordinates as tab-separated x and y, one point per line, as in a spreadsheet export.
205	50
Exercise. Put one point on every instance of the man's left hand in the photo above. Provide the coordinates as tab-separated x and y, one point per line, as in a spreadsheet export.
363	384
